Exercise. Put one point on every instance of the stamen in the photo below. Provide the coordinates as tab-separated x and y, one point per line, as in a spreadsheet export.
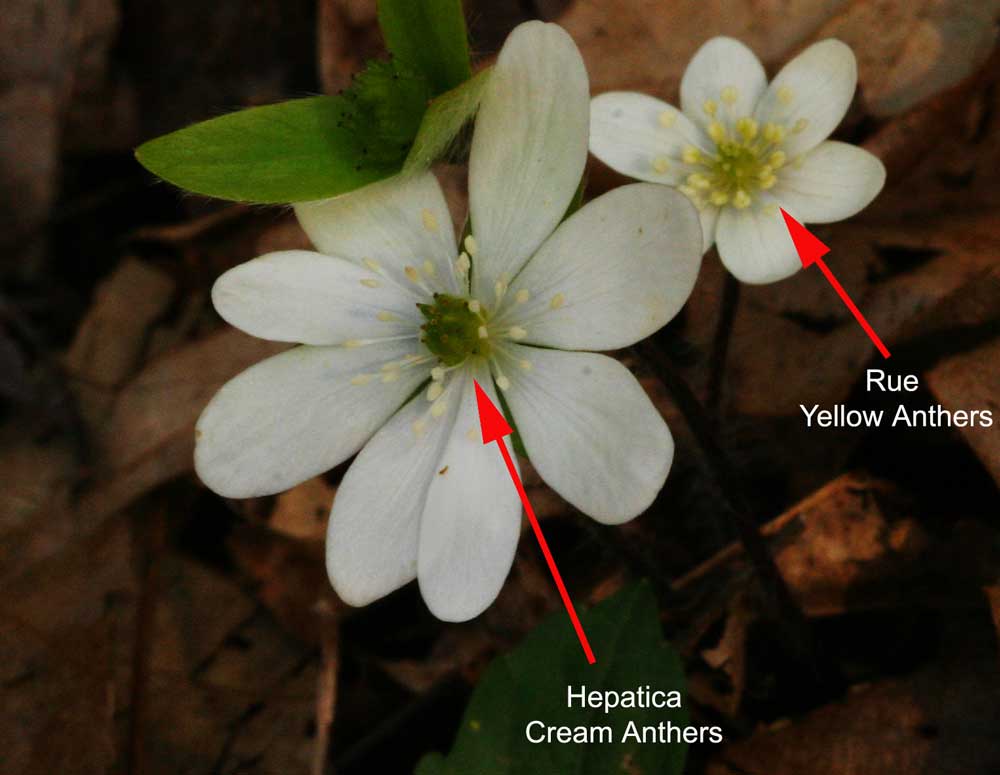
434	391
719	198
709	107
522	296
741	200
730	94
437	373
483	333
419	426
717	131
352	343
667	119
785	95
516	332
557	301
463	264
691	155
777	159
661	164
768	182
430	222
525	364
747	127
391	366
774	133
474	307
412	274
698	180
369	283
439	408
503	383
800	125
390	376
470	246
429	269
372	264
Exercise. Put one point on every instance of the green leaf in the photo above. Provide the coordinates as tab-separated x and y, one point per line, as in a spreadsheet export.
429	36
446	117
531	683
290	152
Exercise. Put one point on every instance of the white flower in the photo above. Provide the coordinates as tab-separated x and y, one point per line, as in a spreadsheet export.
390	305
740	148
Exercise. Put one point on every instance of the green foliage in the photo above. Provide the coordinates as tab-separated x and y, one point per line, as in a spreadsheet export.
444	120
530	683
324	146
290	152
428	36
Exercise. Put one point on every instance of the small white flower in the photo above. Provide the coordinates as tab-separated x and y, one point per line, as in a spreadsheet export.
740	148
391	307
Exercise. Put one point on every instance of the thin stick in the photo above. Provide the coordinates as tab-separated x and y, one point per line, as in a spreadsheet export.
777	596
326	686
720	345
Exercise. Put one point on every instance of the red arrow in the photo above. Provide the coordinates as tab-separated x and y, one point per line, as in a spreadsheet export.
494	428
811	251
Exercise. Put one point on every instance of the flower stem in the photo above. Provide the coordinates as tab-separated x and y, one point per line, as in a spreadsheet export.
720	346
778	598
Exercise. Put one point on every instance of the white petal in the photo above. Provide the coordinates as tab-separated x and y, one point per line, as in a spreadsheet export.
472	518
374	530
590	431
528	150
296	415
709	217
726	72
311	298
754	244
833	181
399	222
613	273
812	91
642	137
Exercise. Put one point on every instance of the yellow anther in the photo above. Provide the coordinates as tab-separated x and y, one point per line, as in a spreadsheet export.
434	391
773	133
470	246
437	373
522	296
785	95
429	268
741	200
462	264
412	273
800	125
385	317
438	409
777	160
690	192
768	182
719	198
371	264
730	94
709	107
483	333
503	383
430	222
691	155
474	307
361	379
697	180
661	164
717	131
557	301
369	283
667	119
747	127
516	332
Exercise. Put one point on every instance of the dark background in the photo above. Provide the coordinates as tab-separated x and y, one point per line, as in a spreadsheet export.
150	626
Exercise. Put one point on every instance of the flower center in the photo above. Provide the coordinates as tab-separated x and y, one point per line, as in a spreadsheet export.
455	329
746	159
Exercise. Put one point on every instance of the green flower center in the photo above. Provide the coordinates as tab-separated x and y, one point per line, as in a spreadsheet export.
455	329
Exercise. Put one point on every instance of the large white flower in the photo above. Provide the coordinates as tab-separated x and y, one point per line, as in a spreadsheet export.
389	309
740	148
